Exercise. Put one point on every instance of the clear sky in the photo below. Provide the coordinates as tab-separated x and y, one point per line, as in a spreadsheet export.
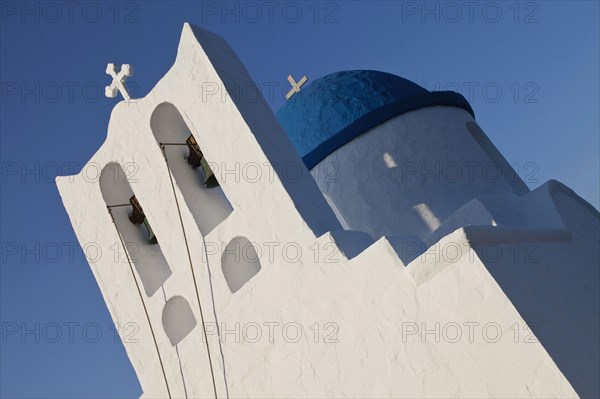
529	69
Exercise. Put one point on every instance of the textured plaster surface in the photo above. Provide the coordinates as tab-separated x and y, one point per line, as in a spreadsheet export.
345	317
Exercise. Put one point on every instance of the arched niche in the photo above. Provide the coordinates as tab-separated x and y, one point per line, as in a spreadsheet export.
178	319
209	206
239	263
148	260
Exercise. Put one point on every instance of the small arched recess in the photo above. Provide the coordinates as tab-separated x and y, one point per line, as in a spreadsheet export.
239	263
148	260
209	206
178	319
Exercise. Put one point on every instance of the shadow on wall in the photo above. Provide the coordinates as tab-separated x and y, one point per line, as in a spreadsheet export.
148	260
209	206
517	184
554	286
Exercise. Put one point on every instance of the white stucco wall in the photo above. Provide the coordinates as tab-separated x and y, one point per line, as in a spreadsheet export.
336	315
407	175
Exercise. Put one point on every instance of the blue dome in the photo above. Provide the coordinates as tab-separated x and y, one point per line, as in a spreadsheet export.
336	108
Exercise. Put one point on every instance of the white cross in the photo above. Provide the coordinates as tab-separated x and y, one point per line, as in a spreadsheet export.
118	83
295	86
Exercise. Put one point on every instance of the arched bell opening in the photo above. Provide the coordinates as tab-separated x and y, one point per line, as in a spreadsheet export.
141	243
191	170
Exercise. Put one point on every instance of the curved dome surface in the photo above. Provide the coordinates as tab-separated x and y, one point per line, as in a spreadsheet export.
334	109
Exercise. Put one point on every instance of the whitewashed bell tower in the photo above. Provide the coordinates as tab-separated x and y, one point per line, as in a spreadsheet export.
264	280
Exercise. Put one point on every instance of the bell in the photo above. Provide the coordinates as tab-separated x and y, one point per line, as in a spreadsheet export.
195	155
210	181
196	159
137	215
151	237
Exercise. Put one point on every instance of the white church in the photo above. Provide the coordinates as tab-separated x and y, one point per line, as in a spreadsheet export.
368	240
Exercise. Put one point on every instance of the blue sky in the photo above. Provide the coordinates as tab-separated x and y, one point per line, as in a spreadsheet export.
529	69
